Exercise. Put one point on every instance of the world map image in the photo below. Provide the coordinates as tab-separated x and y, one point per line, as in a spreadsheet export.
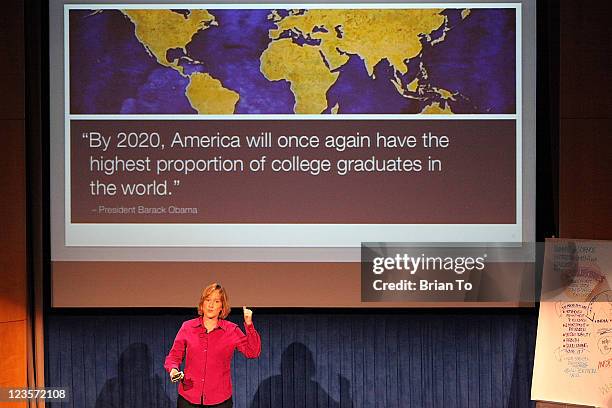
293	61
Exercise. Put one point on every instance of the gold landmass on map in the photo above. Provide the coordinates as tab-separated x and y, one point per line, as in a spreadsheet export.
371	34
435	108
163	30
274	16
304	68
414	85
208	96
445	94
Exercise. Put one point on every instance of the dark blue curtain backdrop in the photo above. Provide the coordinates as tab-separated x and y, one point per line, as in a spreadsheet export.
352	359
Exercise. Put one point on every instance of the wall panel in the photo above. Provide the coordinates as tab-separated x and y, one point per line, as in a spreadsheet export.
586	178
13	275
12	223
13	362
585	101
585	59
12	69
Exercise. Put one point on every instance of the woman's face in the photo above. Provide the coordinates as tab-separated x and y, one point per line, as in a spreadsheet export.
212	305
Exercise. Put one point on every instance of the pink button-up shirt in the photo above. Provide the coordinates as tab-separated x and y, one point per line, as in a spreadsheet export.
208	358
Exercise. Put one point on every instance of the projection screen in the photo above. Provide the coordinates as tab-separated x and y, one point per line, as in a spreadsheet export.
260	145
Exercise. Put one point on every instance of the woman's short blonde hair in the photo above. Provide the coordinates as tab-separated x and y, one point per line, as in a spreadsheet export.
207	291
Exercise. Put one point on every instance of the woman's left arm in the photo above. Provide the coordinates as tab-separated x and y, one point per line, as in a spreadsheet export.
249	344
